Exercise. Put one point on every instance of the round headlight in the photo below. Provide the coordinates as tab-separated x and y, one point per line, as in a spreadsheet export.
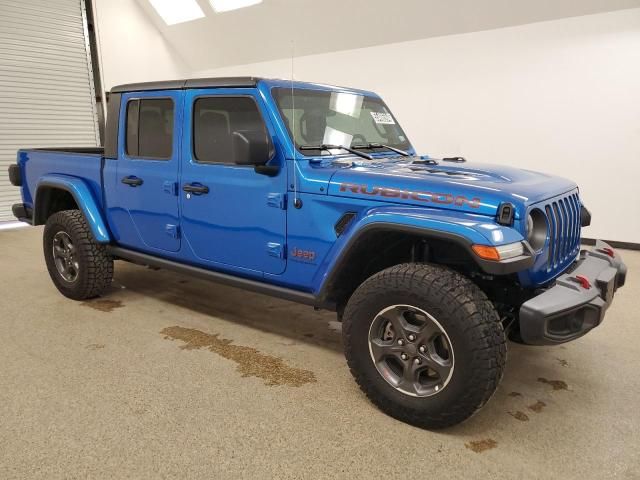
536	229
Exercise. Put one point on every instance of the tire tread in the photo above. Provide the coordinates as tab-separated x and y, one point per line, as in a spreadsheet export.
460	297
93	255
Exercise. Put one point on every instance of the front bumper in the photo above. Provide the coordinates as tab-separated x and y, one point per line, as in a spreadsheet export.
577	301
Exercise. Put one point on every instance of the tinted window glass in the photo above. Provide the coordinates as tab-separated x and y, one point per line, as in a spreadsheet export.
214	121
150	128
132	127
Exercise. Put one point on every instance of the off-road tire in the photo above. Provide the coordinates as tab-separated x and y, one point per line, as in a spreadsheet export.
468	318
95	271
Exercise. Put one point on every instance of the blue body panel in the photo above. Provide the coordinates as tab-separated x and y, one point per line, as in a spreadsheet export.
316	232
247	225
79	174
146	217
240	225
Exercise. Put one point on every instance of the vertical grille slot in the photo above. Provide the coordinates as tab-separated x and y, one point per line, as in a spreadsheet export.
565	230
552	235
572	231
567	207
576	226
558	229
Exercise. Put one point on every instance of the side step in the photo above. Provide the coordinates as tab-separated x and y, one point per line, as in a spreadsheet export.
223	278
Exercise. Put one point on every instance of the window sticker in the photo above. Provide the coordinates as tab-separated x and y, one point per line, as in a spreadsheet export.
382	118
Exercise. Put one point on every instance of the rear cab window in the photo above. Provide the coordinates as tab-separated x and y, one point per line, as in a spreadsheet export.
149	128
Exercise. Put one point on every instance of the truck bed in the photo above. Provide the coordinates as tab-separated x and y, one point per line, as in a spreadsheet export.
38	164
84	150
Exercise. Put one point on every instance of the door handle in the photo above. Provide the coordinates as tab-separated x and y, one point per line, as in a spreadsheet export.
132	181
195	188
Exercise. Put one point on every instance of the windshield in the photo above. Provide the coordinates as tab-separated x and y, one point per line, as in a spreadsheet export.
337	118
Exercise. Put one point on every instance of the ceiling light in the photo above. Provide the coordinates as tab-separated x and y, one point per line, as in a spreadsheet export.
226	5
177	11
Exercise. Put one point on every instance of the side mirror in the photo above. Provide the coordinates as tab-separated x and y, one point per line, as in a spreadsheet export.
251	147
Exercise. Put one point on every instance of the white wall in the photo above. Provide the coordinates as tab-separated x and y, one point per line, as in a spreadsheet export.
561	96
131	47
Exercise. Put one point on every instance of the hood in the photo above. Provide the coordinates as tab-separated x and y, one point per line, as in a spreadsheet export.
469	187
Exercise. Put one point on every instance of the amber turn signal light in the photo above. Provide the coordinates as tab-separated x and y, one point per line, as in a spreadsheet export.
486	252
501	252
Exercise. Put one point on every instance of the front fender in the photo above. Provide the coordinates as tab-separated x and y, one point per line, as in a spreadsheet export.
84	199
463	228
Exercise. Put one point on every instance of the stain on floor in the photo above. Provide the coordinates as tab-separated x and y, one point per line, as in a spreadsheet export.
480	446
95	346
537	407
103	304
515	394
251	362
556	384
519	416
562	362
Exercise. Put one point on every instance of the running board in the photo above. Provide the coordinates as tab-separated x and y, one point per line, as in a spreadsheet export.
223	278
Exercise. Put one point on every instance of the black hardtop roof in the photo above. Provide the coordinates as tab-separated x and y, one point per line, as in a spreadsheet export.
216	82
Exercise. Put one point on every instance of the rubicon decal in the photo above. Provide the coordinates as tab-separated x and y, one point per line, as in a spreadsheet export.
440	198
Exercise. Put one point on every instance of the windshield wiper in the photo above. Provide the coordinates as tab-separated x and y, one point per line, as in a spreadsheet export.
336	147
380	145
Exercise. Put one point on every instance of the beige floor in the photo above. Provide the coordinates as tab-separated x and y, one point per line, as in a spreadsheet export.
104	389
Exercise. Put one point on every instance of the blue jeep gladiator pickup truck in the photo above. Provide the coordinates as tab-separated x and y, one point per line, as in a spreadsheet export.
314	193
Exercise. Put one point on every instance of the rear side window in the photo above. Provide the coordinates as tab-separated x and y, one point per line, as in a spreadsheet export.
150	128
214	121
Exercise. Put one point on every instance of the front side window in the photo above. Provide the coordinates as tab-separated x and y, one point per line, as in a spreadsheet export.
150	128
215	119
316	117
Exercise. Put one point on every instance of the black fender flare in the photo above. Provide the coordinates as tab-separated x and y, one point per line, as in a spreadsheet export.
504	267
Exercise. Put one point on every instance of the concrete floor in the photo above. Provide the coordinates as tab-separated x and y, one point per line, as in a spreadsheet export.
106	389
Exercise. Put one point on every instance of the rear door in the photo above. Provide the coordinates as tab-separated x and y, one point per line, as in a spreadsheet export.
237	219
143	200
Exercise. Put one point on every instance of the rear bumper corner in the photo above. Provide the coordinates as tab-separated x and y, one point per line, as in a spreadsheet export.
22	212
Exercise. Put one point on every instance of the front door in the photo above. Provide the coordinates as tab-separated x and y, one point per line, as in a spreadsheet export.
231	216
144	208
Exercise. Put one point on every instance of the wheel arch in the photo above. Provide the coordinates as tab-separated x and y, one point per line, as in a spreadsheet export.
381	244
57	192
354	264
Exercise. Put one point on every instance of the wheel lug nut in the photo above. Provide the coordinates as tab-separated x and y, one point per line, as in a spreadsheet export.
422	349
412	337
416	361
404	356
401	342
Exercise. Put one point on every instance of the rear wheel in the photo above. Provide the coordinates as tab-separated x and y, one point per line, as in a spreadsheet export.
79	267
424	343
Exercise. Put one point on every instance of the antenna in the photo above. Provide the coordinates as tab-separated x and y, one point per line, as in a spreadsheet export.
297	203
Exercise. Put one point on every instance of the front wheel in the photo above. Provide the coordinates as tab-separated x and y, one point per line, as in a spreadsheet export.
424	344
79	266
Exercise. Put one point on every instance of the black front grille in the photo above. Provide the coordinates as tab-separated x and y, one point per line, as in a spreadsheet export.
563	216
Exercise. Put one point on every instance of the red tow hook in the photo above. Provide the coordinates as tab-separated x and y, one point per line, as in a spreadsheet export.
583	281
608	251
